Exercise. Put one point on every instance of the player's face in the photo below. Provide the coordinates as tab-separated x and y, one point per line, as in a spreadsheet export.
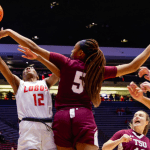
29	70
75	51
139	119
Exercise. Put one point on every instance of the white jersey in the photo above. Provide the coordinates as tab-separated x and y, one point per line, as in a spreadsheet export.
33	100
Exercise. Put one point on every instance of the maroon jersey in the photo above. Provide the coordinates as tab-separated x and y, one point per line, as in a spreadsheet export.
139	141
70	89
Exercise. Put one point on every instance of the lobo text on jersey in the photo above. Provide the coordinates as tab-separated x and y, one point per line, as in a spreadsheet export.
35	88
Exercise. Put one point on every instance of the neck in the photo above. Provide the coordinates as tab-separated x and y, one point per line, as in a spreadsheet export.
30	79
138	130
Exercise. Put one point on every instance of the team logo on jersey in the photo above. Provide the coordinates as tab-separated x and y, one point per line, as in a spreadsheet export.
35	88
140	143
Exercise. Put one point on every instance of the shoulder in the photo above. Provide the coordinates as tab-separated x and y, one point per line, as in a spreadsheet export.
123	131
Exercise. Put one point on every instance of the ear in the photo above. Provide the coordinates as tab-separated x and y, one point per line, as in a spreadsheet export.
147	122
81	53
37	77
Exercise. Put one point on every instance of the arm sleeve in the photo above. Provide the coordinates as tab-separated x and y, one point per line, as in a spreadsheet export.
110	72
58	59
117	135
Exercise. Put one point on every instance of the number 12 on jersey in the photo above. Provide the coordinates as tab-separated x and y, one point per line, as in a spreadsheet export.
38	98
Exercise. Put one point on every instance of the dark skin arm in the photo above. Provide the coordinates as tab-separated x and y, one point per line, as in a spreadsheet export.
12	79
26	42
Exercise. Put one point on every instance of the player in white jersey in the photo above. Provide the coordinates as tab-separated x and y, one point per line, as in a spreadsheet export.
34	106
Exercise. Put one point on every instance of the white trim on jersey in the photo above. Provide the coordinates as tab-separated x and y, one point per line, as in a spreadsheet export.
138	136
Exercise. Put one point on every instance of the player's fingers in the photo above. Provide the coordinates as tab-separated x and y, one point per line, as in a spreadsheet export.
140	74
147	77
24	56
143	67
21	50
132	83
143	89
25	48
130	89
2	28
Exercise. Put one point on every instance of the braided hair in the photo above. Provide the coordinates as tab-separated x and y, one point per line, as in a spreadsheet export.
95	61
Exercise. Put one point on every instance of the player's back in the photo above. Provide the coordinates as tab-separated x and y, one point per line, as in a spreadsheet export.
71	92
33	100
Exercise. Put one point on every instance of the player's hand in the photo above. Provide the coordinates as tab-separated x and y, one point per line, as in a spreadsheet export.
3	33
135	91
145	86
125	138
144	71
28	53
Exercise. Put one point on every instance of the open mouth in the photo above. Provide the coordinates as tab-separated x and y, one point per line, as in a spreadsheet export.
137	121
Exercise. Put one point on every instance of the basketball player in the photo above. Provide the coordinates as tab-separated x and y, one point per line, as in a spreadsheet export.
74	124
134	138
34	107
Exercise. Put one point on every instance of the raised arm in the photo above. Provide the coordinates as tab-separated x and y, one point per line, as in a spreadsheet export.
12	79
26	42
135	64
31	55
52	80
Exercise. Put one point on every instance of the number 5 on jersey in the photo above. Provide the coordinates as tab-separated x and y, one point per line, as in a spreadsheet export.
38	98
78	80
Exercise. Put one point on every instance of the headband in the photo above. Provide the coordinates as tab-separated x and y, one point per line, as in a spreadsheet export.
82	45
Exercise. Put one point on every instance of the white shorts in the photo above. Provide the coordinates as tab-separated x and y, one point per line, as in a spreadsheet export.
34	135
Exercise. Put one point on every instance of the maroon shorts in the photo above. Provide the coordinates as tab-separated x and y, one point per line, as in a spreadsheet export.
75	125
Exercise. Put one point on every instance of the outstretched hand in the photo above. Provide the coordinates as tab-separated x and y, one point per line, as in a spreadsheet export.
135	91
145	86
144	71
3	33
28	53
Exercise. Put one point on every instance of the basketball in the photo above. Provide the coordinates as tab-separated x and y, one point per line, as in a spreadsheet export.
1	13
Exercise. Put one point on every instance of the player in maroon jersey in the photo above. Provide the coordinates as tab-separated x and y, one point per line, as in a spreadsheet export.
74	124
134	138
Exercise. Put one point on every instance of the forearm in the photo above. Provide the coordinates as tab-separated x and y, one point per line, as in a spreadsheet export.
140	59
111	145
49	65
26	42
135	64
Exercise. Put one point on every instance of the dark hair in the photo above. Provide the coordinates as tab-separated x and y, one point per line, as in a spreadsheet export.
95	62
146	127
